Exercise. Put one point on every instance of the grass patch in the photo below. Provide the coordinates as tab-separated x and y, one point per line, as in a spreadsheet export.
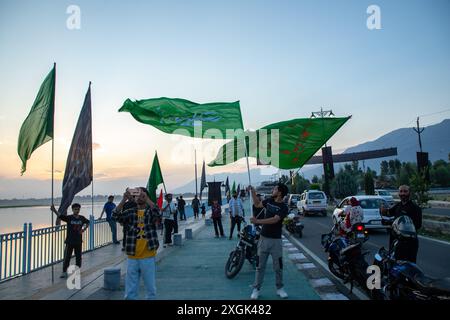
435	235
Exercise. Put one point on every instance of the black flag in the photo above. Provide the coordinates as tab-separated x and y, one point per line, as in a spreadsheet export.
78	174
203	184
214	192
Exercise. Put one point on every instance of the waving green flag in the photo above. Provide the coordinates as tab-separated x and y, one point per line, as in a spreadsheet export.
233	188
155	178
173	115
37	128
285	145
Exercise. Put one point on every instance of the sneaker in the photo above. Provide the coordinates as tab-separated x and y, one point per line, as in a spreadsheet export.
63	275
255	294
281	293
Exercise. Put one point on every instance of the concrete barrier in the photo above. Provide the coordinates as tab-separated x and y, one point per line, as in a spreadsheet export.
111	279
436	226
188	233
177	239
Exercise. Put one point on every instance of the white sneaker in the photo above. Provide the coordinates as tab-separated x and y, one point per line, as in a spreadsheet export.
282	293
255	294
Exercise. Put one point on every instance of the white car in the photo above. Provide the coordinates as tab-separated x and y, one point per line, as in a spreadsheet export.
312	201
371	209
386	195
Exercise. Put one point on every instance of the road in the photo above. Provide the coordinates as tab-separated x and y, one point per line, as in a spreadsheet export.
433	257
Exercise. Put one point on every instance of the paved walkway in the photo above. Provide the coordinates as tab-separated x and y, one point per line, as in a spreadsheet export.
194	270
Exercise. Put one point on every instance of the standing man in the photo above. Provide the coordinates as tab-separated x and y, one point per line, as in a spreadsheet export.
406	250
108	208
76	225
141	216
168	213
236	212
270	240
181	205
195	206
216	215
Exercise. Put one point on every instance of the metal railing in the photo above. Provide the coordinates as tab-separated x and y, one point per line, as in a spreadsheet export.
29	250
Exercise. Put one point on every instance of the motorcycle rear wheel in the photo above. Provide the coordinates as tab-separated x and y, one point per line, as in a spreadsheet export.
234	263
334	268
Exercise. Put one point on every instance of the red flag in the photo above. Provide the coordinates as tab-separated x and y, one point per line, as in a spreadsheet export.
160	200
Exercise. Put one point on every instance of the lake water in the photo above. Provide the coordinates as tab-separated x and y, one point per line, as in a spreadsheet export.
12	219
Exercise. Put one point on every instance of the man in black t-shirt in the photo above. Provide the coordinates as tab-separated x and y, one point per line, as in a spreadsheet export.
76	225
270	240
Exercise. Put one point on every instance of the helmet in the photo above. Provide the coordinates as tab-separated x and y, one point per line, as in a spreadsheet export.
403	227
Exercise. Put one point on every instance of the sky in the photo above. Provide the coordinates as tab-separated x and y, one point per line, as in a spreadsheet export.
281	59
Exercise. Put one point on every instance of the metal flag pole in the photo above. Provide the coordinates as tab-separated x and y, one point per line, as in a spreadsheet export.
53	178
248	166
195	156
164	184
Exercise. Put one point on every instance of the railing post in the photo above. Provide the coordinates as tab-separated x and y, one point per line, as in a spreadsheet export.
29	238
24	248
91	232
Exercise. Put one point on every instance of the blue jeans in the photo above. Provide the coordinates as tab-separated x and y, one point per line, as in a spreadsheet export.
136	267
113	226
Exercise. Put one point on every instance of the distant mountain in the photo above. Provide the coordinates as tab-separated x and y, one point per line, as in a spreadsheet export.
435	141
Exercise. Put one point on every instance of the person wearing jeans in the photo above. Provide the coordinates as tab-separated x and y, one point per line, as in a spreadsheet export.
141	215
108	209
168	213
236	212
216	215
76	225
270	242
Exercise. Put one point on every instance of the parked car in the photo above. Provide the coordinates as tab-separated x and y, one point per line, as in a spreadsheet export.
371	209
293	199
386	195
312	201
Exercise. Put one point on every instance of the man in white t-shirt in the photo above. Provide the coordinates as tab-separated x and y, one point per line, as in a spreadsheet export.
168	213
236	212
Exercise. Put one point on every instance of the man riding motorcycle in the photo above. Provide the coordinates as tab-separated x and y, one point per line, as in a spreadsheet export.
351	215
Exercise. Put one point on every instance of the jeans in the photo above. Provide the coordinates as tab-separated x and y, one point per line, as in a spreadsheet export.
168	227
182	213
113	226
68	254
266	247
136	267
218	223
235	220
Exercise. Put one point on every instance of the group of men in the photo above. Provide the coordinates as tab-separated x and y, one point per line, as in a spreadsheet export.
142	217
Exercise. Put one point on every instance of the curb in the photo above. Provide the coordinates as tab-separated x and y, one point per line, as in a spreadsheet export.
326	285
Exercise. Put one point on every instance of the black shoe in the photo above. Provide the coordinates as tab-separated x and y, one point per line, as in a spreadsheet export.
123	249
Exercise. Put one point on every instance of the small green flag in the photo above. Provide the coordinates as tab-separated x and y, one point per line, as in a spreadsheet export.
155	179
37	128
173	115
233	188
298	140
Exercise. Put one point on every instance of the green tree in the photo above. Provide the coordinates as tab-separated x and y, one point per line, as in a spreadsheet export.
315	179
369	186
344	184
419	189
384	168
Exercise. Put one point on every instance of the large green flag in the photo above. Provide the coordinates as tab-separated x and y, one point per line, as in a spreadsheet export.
285	145
183	117
37	128
155	178
233	188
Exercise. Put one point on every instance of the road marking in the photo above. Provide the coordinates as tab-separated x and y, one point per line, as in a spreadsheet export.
435	240
321	282
356	291
304	266
297	256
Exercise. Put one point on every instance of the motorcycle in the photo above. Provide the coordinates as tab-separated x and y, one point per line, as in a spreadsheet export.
294	225
404	280
346	257
246	248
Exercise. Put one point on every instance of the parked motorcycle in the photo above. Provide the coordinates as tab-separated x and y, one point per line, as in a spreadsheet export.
294	225
404	280
245	249
346	257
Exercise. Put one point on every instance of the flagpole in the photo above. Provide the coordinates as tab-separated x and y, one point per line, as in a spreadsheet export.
53	176
164	184
248	167
92	157
196	190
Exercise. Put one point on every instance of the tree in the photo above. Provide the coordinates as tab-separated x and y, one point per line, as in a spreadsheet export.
419	188
384	168
315	179
300	184
344	184
369	183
